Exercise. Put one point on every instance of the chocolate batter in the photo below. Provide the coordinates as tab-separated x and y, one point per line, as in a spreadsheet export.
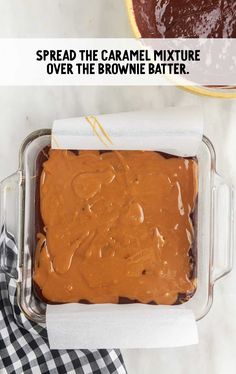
117	226
186	18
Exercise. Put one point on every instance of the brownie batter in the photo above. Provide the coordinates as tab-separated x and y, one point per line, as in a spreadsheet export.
186	18
117	225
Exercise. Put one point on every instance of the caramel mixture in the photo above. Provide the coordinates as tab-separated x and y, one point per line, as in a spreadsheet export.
186	18
117	225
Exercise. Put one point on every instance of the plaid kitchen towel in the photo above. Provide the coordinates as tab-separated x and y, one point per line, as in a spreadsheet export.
24	347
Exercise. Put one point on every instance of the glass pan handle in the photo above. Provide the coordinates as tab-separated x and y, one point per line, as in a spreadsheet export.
223	230
9	199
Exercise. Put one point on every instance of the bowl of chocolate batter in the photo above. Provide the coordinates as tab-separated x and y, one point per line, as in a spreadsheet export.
185	19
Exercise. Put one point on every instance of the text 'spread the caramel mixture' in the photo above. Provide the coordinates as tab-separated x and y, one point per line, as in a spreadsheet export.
118	227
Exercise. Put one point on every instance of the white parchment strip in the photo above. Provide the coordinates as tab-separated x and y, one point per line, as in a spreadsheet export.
177	131
77	326
174	130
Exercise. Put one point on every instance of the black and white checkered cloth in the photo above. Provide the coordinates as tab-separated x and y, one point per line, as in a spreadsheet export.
24	347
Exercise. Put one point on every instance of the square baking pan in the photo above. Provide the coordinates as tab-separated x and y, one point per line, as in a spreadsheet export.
214	227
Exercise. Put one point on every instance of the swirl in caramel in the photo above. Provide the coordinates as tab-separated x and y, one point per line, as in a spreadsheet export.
116	225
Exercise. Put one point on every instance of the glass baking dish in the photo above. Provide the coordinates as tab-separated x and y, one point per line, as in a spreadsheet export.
214	227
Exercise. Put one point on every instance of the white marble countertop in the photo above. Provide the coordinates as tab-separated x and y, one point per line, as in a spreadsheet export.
23	110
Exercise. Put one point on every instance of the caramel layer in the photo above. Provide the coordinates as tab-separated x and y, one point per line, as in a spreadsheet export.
117	225
186	18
